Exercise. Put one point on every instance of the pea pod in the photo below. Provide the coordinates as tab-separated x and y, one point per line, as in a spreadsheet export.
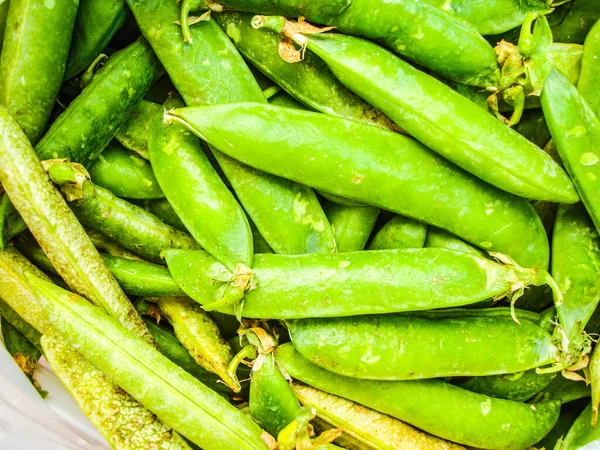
518	387
533	127
581	434
594	375
574	26
162	209
34	55
590	69
476	142
97	22
565	421
438	238
125	174
6	208
4	5
399	232
434	406
563	390
352	225
88	124
346	284
133	135
30	333
375	166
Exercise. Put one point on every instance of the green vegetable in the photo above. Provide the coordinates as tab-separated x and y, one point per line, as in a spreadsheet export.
590	70
518	387
399	232
133	135
4	5
438	238
352	225
581	434
162	209
574	26
30	333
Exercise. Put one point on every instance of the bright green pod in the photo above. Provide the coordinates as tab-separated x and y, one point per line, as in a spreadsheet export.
434	406
352	225
573	27
590	70
564	390
88	124
438	238
399	232
162	209
518	387
133	135
576	131
34	55
97	22
594	375
581	435
375	166
565	421
410	348
125	174
4	5
348	284
479	143
177	398
196	192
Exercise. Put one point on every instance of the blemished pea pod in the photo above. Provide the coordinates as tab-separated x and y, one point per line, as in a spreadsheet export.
375	166
162	209
347	284
576	131
590	70
176	397
88	124
407	348
574	26
581	435
518	387
133	135
434	406
310	81
20	324
196	192
352	225
132	226
4	4
96	23
438	238
365	427
399	232
125	174
34	54
414	29
56	228
209	70
457	130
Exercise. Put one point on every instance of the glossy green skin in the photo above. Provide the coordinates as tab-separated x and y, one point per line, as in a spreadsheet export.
575	25
97	22
4	4
34	55
125	174
576	132
518	387
273	404
533	127
377	167
56	228
434	406
19	323
347	284
400	232
438	238
177	398
409	348
89	123
162	209
576	267
196	192
209	71
352	225
581	434
563	390
590	70
444	120
309	81
134	132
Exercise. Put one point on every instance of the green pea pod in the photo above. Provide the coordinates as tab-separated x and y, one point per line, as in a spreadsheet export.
110	247
132	226
197	412
133	135
88	124
4	5
563	390
460	313
375	166
346	284
10	315
6	208
162	209
576	132
125	174
565	421
594	371
477	142
34	55
590	70
438	238
399	232
196	192
352	225
533	127
408	348
326	195
310	81
434	406
97	22
518	387
581	435
574	26
56	228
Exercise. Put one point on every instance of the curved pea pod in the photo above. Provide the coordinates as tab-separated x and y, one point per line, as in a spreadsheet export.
399	232
88	124
297	224
352	225
97	22
347	284
162	209
477	142
438	238
590	70
132	226
407	348
197	194
177	398
581	435
576	132
375	166
574	26
310	81
125	174
518	387
133	135
434	406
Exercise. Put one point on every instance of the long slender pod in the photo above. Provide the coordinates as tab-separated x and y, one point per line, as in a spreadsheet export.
590	70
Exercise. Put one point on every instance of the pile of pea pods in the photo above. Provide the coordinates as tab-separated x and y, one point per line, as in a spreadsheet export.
306	224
